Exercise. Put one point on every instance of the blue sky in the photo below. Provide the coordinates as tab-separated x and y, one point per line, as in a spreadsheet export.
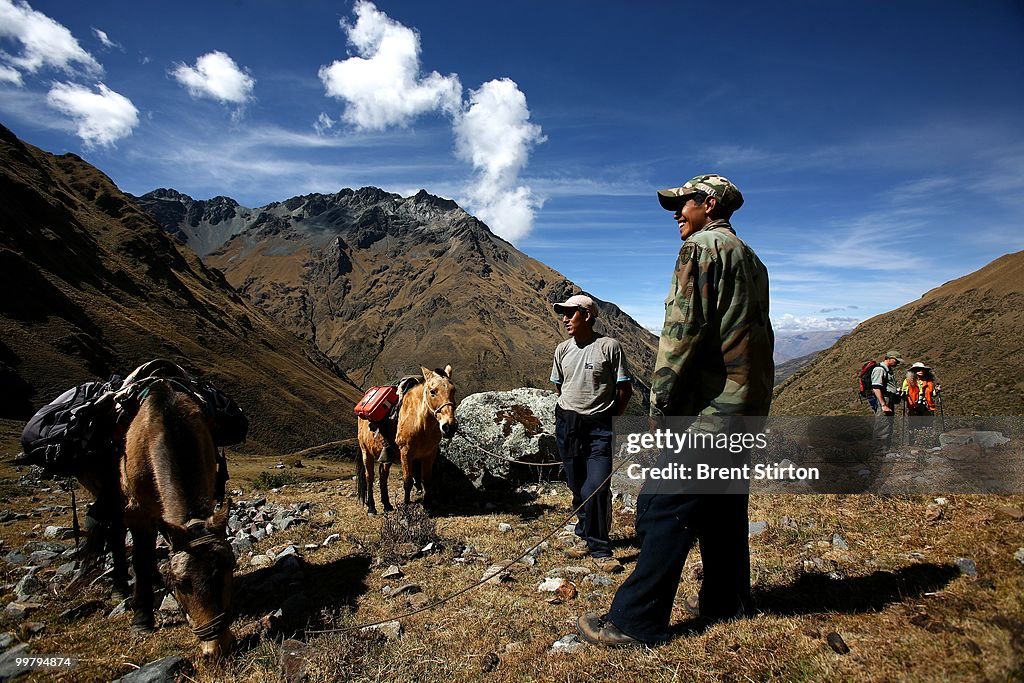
879	145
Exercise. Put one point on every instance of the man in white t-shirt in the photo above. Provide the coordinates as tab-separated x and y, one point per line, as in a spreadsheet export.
593	383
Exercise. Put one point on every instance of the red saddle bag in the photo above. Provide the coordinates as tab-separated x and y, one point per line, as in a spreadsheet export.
377	403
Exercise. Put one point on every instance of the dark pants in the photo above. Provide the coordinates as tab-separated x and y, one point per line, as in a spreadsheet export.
585	446
667	526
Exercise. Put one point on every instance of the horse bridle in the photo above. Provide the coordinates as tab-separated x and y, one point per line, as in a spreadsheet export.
435	411
211	629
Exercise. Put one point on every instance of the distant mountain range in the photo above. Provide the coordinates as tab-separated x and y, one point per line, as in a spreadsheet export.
383	284
92	285
790	345
968	330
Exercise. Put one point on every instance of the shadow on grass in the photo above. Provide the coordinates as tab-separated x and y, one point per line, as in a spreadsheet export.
301	597
819	594
813	593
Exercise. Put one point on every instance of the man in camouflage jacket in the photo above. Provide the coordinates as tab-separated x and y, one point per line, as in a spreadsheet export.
714	361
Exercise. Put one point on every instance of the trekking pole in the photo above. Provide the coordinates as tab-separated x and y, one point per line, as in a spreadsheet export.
942	414
903	420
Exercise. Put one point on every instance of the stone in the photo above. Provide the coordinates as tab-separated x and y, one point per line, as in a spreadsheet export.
1010	512
408	588
1019	555
28	587
160	671
418	600
756	528
58	533
20	610
839	543
497	573
962	437
34	628
516	425
489	662
392	572
598	579
9	666
293	661
567	644
123	607
6	640
391	629
64	572
83	610
15	558
504	527
836	642
260	561
966	566
169	604
551	584
332	539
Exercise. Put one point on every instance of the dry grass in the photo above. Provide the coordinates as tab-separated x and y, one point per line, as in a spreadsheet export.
895	596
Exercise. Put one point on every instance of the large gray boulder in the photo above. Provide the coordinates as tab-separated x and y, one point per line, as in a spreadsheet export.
498	426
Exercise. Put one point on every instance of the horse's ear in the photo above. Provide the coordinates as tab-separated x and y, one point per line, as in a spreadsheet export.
218	522
427	372
178	536
448	371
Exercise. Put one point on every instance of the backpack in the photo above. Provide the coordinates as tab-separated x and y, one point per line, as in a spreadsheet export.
229	426
864	379
69	429
377	403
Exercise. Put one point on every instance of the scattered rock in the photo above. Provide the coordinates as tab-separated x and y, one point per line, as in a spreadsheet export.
551	584
28	587
392	572
966	566
9	666
6	640
293	661
504	527
598	579
20	610
489	663
58	533
756	528
839	543
34	628
1019	555
497	573
836	642
259	561
391	629
418	600
961	437
933	512
169	604
332	539
79	611
1010	512
406	589
122	608
569	643
160	671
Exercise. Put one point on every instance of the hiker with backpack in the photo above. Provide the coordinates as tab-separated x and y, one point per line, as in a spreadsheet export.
885	392
920	393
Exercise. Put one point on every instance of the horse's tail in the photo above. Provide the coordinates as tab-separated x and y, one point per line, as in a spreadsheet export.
361	476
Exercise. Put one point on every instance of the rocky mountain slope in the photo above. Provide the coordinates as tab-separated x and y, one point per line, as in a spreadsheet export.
92	285
383	284
791	345
968	330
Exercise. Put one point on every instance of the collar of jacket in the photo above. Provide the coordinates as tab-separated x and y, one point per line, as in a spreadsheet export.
718	224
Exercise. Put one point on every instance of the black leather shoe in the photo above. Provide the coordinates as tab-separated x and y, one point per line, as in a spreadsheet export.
599	631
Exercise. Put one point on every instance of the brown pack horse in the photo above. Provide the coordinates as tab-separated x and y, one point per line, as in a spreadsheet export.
167	480
427	414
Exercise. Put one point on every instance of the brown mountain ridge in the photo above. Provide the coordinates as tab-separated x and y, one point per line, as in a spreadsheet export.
93	285
382	284
968	330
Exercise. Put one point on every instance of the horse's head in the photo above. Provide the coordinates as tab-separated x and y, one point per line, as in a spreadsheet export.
439	395
199	572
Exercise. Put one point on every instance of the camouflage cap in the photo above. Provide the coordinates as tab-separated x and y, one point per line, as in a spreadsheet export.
892	353
712	184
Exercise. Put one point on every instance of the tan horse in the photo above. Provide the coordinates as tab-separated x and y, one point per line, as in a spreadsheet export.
168	484
427	414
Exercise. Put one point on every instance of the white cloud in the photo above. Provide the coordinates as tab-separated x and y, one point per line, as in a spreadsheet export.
323	123
101	118
9	75
793	323
495	135
105	39
381	86
44	42
216	76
